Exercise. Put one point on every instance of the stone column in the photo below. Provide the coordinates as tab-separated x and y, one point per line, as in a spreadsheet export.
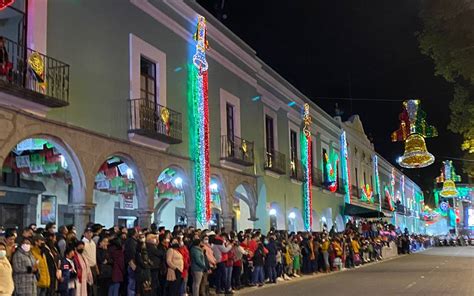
82	216
227	222
144	217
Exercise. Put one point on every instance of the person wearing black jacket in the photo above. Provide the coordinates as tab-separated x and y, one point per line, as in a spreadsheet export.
142	273
156	261
105	263
53	260
271	261
129	254
162	248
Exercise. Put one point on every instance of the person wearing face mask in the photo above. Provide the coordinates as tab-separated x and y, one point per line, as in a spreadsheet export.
25	269
38	251
183	249
130	250
175	263
61	240
6	279
90	254
154	255
84	273
53	260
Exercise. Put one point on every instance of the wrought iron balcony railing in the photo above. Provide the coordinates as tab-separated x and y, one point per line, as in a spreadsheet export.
296	170
33	76
155	121
237	150
275	161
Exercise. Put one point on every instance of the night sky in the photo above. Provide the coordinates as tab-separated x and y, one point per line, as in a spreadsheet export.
365	50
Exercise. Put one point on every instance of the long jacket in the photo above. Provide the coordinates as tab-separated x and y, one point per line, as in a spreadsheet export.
118	266
6	279
44	279
198	262
23	276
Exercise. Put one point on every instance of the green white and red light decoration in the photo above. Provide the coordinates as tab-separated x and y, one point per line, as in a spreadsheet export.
377	180
344	168
367	194
201	125
330	171
390	191
307	165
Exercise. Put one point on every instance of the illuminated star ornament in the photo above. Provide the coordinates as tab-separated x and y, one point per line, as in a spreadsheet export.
201	125
413	130
449	176
307	166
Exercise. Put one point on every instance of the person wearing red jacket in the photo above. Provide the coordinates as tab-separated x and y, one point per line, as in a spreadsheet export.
187	263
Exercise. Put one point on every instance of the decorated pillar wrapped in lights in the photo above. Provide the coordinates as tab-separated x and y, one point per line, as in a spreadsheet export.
377	181
307	166
200	151
403	200
345	168
392	200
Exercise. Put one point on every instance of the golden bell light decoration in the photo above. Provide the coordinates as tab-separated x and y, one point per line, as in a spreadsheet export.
449	174
449	189
416	155
413	130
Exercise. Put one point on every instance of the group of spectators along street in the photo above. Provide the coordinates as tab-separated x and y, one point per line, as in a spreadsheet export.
182	261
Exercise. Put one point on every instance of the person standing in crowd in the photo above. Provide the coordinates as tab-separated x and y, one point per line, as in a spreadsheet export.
90	254
175	263
25	269
221	253
296	256
270	262
84	273
211	262
258	264
142	273
116	255
67	282
6	273
325	250
183	249
155	259
163	269
61	240
38	251
51	228
355	249
129	252
239	256
306	254
104	263
53	260
198	265
10	237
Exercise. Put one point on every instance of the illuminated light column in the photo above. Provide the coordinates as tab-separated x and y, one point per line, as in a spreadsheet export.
377	181
392	195
345	168
402	191
201	128
307	166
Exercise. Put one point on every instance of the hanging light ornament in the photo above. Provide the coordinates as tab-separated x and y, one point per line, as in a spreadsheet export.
413	130
307	165
449	188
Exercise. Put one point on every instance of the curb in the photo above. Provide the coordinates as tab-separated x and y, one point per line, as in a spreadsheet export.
248	290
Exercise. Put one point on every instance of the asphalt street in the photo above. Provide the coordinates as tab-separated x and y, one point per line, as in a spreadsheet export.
438	271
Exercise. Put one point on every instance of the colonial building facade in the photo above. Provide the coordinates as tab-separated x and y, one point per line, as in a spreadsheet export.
95	109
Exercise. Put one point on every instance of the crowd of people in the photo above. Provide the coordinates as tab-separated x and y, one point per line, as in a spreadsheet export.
182	261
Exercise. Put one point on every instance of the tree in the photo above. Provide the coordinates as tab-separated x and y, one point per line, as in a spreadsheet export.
448	38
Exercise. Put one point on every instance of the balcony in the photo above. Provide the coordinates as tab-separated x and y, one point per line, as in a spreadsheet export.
154	121
296	170
275	162
317	177
237	150
33	76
